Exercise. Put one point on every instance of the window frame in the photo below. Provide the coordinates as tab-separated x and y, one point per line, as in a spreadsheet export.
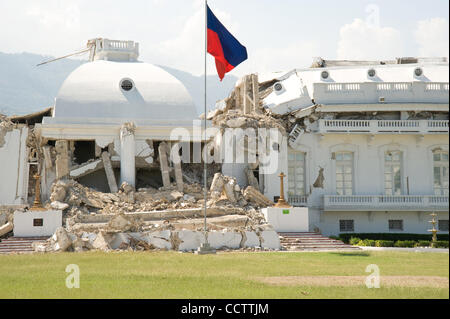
391	164
344	163
293	176
343	222
396	220
440	190
439	225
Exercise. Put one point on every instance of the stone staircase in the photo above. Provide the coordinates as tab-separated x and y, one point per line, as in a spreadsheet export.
19	244
312	242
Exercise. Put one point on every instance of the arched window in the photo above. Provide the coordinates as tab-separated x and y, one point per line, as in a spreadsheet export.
344	173
297	173
440	172
393	173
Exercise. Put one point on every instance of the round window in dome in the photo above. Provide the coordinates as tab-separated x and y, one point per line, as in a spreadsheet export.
126	85
325	75
418	72
371	73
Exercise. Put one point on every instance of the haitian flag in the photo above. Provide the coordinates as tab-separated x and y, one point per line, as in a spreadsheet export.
227	51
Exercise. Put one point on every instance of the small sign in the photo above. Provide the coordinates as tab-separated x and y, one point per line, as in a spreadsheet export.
38	222
286	211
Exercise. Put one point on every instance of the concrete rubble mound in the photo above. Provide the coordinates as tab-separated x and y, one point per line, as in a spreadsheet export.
159	219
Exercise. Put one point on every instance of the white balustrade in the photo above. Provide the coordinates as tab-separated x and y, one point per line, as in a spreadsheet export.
385	92
385	202
298	200
384	126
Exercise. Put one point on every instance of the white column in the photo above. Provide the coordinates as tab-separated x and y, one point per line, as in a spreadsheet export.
127	151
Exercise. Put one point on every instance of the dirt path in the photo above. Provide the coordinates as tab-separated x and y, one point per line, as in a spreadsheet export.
345	281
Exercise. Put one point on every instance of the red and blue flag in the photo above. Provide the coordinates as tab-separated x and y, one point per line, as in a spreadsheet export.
227	51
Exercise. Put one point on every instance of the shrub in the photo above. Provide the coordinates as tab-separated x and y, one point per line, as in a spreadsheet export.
405	243
367	243
384	243
440	244
423	243
334	237
345	237
354	241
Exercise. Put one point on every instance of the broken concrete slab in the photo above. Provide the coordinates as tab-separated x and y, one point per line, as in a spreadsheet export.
61	240
120	241
86	169
250	240
102	242
164	164
59	205
190	240
62	159
6	228
219	240
253	195
270	240
109	172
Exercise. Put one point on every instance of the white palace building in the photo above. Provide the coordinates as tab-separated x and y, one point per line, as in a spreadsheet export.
372	154
369	152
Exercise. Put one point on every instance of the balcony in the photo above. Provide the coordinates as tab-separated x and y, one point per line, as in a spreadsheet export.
384	126
386	203
298	200
381	92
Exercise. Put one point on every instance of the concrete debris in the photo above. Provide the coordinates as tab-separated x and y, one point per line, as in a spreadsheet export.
180	240
253	195
102	241
6	228
61	240
59	206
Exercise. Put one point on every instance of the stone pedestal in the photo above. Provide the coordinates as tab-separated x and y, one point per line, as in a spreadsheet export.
294	219
36	223
127	151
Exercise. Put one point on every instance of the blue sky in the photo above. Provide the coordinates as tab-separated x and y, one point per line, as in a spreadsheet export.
279	34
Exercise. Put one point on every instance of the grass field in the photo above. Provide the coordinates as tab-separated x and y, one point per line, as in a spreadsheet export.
225	275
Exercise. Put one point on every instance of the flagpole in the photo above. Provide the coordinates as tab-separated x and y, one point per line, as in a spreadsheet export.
205	168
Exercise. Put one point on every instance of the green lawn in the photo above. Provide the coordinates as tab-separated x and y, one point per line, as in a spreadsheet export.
225	275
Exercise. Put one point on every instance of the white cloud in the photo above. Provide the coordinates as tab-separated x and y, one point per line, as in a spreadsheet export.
285	58
360	40
186	50
432	37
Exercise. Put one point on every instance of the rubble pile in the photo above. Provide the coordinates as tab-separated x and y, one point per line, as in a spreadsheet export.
263	238
129	219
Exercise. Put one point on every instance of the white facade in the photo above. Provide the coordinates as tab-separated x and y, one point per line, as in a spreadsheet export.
383	170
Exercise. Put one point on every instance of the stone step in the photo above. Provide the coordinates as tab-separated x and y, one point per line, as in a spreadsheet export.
312	241
19	244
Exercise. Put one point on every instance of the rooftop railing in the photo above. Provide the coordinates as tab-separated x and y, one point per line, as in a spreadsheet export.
384	126
384	92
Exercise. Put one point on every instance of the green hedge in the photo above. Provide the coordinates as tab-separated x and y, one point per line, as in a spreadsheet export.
405	243
423	243
384	243
399	243
440	244
391	236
